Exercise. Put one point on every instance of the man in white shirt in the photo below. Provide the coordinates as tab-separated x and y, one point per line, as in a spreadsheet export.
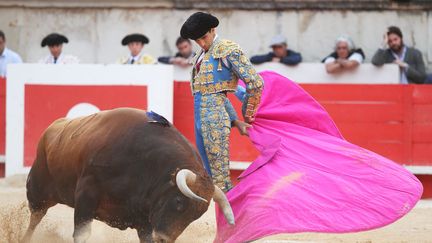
6	55
135	43
55	42
345	56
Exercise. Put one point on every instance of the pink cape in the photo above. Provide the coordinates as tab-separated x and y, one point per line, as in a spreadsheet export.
308	178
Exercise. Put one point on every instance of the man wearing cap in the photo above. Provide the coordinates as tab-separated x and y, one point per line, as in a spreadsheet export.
216	70
135	43
409	59
279	54
55	42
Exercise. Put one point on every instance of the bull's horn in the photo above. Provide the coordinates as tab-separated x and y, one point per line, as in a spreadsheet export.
220	198
183	178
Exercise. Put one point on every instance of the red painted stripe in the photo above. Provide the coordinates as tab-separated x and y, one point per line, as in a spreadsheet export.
353	92
2	115
46	103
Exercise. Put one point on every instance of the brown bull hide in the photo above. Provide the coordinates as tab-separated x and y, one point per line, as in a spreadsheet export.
117	167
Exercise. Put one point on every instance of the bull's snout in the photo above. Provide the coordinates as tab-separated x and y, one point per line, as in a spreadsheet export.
161	238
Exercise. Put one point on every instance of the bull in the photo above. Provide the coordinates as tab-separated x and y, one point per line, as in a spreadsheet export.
125	167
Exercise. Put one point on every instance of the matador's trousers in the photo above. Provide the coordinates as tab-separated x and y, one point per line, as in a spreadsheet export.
212	131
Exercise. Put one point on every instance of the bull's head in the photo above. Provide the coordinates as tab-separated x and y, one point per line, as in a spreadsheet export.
181	205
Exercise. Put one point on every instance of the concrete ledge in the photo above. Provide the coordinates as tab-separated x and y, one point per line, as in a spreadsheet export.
316	73
419	170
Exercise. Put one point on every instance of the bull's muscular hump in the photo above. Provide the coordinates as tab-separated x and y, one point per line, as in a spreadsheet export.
125	167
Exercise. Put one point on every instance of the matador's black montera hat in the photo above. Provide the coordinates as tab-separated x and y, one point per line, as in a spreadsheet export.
197	25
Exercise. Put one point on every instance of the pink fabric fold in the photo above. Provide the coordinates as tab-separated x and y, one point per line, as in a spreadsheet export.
308	178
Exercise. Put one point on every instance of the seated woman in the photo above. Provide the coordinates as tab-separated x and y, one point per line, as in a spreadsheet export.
344	57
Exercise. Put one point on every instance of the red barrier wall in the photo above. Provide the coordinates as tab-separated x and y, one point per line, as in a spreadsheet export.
2	123
47	103
241	148
392	120
2	115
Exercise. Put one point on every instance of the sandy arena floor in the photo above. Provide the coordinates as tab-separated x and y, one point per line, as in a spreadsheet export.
57	226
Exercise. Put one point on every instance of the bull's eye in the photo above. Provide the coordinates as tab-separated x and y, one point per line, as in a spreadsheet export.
179	204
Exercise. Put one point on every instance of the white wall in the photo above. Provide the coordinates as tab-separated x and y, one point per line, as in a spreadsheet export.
316	73
95	34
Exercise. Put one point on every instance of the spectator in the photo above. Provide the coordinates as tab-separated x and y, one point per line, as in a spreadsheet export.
280	53
55	42
6	55
135	43
428	79
344	57
183	56
409	59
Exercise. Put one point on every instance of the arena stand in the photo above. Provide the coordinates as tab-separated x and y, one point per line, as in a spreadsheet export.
368	105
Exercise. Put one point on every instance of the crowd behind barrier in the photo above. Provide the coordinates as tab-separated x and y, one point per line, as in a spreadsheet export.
345	56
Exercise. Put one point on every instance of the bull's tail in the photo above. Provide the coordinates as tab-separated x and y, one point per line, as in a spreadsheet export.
40	190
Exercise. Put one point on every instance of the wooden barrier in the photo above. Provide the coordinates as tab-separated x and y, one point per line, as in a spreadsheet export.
2	125
316	73
392	120
37	94
2	118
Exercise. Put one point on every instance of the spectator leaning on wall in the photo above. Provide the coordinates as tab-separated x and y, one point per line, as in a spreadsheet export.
55	41
345	56
409	59
280	53
429	79
135	43
6	55
184	55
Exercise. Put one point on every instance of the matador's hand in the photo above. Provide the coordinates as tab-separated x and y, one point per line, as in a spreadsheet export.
242	127
249	120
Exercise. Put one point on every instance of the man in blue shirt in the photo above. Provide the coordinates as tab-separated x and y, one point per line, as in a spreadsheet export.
184	55
279	54
6	56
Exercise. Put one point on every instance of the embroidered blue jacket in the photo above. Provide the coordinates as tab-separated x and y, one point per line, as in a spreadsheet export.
221	68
